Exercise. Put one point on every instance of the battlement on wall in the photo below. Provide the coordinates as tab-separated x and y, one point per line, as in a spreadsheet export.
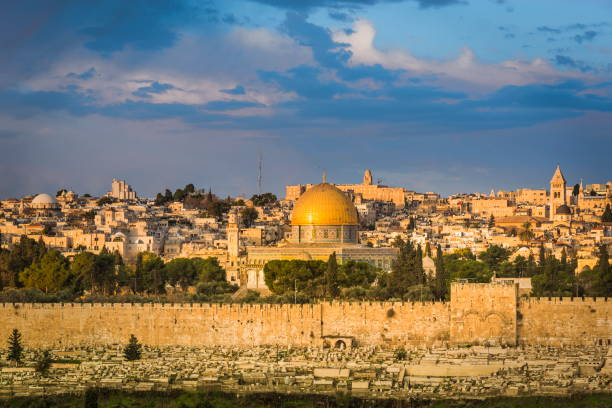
565	300
476	314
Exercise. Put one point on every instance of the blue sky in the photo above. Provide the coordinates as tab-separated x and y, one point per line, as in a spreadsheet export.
432	95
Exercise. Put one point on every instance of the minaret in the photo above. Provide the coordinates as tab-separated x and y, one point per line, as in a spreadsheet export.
367	177
233	235
558	193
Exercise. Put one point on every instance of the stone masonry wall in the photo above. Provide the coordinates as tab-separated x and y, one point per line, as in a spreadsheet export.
70	324
483	314
565	321
477	314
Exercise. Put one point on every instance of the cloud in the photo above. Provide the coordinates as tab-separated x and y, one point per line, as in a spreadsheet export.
230	105
154	88
237	90
564	60
464	71
586	36
141	24
546	29
305	5
83	76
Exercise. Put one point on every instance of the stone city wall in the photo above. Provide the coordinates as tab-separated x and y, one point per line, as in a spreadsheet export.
477	314
565	321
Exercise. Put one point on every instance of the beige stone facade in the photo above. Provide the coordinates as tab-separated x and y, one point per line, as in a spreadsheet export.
486	314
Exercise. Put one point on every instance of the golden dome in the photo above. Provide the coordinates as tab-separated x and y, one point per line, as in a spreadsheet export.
324	204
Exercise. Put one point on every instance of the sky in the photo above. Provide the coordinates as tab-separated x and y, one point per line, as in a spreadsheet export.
431	95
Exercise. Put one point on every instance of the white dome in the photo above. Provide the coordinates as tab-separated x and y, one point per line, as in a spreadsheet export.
44	199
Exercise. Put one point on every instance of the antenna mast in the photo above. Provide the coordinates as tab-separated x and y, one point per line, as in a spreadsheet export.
259	174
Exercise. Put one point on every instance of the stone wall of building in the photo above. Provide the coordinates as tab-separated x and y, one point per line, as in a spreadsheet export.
477	314
565	321
483	314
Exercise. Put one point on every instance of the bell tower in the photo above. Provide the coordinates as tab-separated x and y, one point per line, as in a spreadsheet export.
558	192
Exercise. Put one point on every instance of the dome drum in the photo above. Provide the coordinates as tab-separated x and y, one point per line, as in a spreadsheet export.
335	234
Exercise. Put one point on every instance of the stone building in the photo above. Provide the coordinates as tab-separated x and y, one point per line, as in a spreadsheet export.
121	191
367	190
324	220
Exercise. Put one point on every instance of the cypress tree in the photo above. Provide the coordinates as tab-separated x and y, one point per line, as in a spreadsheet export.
604	272
15	349
133	350
331	277
91	398
542	255
43	362
607	215
441	288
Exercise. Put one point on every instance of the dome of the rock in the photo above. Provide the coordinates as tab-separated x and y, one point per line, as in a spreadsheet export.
324	204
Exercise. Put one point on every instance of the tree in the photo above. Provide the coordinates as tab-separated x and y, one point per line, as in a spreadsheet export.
491	223
181	271
494	256
189	188
43	362
48	275
91	398
604	272
607	214
260	200
133	350
248	216
526	233
411	224
332	289
442	278
576	190
105	201
152	273
15	349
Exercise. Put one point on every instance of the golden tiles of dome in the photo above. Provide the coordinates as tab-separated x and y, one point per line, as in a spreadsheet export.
324	204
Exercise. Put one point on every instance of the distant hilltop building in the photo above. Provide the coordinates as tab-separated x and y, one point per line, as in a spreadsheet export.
121	191
367	191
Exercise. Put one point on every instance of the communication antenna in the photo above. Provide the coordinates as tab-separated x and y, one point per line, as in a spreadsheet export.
259	177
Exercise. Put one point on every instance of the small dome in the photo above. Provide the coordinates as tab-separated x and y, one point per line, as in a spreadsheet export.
44	199
564	210
324	204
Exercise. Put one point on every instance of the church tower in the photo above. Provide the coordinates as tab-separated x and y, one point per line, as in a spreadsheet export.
558	192
367	177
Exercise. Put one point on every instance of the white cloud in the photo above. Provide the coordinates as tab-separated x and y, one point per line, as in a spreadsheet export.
465	71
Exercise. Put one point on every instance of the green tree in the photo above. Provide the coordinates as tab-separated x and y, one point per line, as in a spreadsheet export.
182	271
526	233
91	398
604	272
133	350
332	289
209	270
491	223
494	256
260	200
105	201
15	348
43	362
442	277
23	254
189	188
576	190
49	275
152	273
607	214
248	216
